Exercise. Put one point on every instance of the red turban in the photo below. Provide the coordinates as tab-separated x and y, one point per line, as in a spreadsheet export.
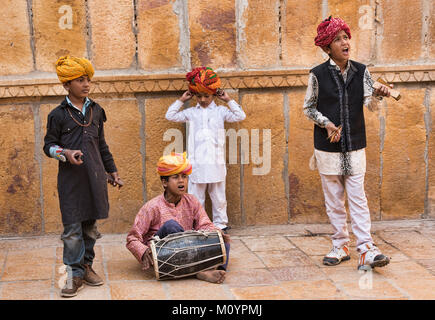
328	29
203	80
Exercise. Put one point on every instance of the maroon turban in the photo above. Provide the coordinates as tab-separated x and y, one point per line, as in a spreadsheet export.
328	29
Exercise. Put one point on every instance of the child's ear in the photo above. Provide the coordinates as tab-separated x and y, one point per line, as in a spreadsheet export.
66	85
164	183
327	50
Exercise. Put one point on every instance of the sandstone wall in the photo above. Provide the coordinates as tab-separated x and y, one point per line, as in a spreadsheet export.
262	50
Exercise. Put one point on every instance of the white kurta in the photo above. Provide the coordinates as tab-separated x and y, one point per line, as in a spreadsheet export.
206	137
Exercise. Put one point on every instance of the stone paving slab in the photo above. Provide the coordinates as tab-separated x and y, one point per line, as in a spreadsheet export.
281	262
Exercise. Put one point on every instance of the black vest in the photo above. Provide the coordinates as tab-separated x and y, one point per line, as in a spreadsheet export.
341	103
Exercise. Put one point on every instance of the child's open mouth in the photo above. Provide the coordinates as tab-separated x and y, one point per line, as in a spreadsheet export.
181	187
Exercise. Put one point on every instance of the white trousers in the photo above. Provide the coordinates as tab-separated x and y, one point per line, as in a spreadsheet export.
334	187
218	200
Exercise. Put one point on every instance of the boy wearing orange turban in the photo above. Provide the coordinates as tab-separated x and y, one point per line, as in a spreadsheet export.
206	138
75	137
337	91
171	212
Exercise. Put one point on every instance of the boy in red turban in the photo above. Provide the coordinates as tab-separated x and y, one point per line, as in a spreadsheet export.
206	139
337	91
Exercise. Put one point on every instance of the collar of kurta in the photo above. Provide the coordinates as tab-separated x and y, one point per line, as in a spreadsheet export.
85	105
212	105
66	102
349	65
170	204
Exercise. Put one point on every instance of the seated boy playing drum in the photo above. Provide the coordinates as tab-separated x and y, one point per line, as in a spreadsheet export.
171	212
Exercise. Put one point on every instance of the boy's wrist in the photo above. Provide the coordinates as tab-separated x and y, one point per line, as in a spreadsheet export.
62	155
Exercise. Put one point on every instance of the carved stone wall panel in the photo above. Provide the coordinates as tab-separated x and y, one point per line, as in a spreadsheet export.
176	82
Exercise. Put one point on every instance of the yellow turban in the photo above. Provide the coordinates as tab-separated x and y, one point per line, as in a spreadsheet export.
70	68
174	163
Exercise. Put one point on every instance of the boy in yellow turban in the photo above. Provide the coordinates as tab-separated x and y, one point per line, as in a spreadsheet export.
171	212
206	141
75	137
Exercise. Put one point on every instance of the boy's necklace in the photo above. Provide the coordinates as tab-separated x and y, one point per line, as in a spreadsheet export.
80	124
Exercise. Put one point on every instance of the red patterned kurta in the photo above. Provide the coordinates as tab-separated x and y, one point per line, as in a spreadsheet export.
188	213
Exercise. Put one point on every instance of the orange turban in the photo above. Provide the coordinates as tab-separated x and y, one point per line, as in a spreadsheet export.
70	68
174	164
203	80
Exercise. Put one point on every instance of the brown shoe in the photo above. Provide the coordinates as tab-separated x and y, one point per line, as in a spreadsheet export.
91	278
72	287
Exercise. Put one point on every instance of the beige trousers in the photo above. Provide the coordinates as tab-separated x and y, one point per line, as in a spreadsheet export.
334	187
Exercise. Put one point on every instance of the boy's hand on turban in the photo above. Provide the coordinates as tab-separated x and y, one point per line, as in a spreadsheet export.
223	95
186	96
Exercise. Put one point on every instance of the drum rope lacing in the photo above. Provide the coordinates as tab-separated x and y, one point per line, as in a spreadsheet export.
162	242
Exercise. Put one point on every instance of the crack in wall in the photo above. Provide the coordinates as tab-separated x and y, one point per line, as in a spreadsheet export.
32	31
141	106
180	8
281	5
240	7
88	31
425	28
285	172
428	127
135	29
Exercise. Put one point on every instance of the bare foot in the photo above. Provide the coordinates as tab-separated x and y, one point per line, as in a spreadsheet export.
213	276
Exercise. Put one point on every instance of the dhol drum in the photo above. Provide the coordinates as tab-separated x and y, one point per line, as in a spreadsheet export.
186	253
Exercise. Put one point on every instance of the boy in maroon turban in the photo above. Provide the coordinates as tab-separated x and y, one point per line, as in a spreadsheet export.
337	91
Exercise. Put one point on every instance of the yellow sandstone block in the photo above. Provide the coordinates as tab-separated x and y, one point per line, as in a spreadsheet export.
264	198
305	188
123	135
16	56
403	173
259	46
402	21
20	212
59	29
159	35
113	41
212	33
299	28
